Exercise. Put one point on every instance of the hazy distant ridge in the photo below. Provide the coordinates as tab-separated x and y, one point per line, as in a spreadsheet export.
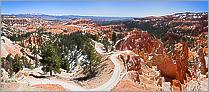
66	17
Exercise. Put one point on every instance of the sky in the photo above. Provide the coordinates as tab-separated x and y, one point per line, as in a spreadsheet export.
109	9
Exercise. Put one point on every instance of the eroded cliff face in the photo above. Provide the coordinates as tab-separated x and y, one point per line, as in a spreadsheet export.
203	68
34	40
9	47
151	52
138	41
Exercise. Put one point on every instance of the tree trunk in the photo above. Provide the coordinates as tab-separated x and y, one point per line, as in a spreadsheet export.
10	69
90	67
50	72
36	62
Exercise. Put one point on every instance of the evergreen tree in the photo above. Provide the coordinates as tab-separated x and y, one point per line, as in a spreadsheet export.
10	65
35	53
25	62
114	38
3	61
92	56
106	43
51	61
17	66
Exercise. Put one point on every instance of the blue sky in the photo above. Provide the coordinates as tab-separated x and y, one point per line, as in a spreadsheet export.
93	8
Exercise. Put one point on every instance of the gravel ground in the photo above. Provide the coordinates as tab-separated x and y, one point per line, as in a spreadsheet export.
19	87
104	74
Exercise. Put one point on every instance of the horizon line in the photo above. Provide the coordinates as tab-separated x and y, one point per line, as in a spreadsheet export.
101	15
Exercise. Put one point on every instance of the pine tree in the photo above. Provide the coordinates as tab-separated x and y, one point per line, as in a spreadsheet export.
17	66
114	38
51	61
10	63
3	61
35	53
92	56
25	62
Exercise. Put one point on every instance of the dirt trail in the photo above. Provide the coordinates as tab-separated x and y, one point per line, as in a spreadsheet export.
115	78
